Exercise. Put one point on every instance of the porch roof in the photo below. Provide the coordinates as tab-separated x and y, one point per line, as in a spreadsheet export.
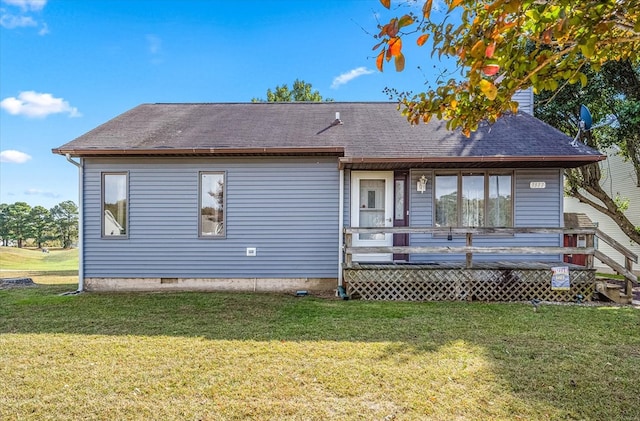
362	136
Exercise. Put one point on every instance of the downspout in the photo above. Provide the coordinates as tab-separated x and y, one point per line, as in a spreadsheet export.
341	291
340	227
80	166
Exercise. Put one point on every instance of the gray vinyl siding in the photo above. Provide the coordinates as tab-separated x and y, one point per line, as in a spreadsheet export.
532	208
286	208
421	213
524	98
539	208
421	204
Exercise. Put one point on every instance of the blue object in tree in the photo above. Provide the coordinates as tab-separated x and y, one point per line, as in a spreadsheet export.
585	117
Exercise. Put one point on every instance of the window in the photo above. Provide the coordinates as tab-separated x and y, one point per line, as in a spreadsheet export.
372	210
499	207
473	199
211	205
115	205
446	200
399	206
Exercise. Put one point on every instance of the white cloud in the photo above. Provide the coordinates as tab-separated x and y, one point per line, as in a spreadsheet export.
44	30
35	104
154	43
17	15
13	156
12	21
38	192
25	5
349	76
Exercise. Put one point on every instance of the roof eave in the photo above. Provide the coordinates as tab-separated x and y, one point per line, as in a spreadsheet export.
148	152
558	161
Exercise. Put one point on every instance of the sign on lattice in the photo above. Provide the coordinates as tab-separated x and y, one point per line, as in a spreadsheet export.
560	280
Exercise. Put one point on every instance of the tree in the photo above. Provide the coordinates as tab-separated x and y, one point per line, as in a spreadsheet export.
40	225
5	234
302	91
614	90
20	222
17	221
65	218
502	46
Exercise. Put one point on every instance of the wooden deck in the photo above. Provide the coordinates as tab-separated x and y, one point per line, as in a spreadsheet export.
472	278
454	281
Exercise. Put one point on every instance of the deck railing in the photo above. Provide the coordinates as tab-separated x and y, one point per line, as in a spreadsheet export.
468	250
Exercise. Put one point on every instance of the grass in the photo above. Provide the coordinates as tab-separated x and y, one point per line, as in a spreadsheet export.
59	266
223	356
262	356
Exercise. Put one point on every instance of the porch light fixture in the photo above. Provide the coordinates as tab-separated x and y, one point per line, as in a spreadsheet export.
421	186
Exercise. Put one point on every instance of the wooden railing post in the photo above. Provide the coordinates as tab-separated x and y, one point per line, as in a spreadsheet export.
590	244
348	241
628	264
469	260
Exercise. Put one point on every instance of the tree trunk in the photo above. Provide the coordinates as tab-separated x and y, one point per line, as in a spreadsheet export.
587	178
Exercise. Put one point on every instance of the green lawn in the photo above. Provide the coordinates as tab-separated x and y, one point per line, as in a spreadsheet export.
218	356
56	267
36	260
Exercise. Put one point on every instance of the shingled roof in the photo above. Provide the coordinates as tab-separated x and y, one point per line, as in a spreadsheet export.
367	135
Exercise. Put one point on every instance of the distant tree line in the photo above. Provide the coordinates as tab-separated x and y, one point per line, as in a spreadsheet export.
21	224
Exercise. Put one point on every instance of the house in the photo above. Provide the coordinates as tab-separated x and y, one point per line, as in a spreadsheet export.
270	196
618	179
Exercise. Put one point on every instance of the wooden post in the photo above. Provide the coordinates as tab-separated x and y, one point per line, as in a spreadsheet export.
628	264
589	258
469	261
348	241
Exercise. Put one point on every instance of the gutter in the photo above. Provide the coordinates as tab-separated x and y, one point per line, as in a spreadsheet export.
80	166
170	151
485	161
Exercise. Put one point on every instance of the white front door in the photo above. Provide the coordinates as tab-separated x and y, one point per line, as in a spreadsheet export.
372	206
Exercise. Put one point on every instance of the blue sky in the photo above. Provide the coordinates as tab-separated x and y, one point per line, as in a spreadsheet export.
67	66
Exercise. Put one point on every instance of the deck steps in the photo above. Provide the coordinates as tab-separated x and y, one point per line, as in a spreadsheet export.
613	292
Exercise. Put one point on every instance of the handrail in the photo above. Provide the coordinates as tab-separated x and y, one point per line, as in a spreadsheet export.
464	231
469	249
616	245
616	266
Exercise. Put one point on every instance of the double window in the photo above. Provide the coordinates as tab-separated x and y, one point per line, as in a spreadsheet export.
473	199
211	213
115	205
